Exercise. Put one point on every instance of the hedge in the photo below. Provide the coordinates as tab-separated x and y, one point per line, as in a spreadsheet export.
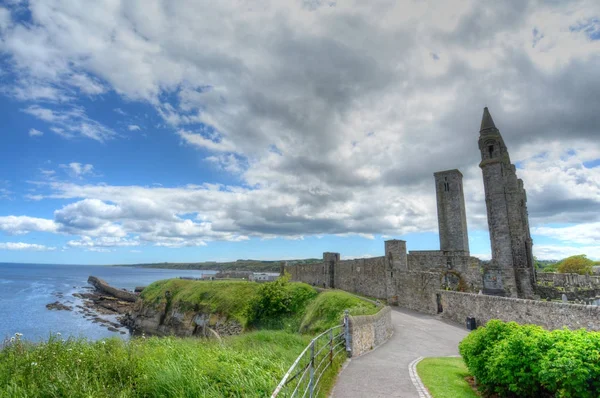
514	360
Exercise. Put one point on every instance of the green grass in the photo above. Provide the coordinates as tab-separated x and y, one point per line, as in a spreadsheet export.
445	377
224	297
244	366
328	308
249	365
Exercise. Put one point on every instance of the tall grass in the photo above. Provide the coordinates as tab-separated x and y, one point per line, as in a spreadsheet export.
243	366
328	308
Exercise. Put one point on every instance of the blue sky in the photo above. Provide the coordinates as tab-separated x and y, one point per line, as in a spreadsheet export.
196	132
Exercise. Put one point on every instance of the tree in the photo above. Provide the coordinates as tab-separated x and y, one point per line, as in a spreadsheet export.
579	264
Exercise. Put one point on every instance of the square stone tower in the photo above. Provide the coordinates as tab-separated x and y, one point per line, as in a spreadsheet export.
512	269
452	218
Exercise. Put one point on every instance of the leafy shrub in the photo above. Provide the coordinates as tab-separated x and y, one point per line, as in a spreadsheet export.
527	361
571	366
515	361
579	264
279	302
476	349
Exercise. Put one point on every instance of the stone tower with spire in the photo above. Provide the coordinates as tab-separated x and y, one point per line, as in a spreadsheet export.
512	271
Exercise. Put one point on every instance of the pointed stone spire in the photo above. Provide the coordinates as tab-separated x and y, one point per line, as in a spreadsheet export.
487	123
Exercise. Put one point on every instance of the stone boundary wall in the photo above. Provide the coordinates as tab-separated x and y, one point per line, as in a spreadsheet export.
550	315
370	331
366	276
568	280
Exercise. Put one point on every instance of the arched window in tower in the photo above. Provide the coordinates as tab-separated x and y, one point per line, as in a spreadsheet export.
491	150
446	184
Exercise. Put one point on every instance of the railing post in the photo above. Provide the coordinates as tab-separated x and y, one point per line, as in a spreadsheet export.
330	346
311	384
347	335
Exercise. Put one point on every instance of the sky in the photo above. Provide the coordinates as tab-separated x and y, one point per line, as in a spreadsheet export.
151	131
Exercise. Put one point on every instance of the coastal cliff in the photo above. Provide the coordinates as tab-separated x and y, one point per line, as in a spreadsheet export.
163	320
191	308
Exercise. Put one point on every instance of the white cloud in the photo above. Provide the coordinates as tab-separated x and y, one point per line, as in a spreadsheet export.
4	18
229	163
585	234
71	123
556	252
24	246
18	225
35	133
103	242
333	118
133	127
78	170
86	84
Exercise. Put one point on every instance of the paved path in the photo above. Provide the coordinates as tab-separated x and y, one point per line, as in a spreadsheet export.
384	371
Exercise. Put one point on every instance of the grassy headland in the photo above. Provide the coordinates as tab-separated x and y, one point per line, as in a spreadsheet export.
249	365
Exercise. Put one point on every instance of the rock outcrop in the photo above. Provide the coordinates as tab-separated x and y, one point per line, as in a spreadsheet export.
102	286
164	320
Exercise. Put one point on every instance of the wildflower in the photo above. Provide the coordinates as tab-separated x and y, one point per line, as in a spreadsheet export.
58	334
17	335
33	363
12	339
103	342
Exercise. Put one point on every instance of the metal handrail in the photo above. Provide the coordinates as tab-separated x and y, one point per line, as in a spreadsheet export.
316	372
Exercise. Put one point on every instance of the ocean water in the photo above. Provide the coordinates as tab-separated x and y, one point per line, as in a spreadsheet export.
25	289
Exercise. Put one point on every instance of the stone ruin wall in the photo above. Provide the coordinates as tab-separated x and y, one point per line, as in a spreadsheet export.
573	286
568	280
550	315
362	276
408	280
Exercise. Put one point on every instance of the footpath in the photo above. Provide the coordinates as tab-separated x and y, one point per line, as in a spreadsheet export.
384	372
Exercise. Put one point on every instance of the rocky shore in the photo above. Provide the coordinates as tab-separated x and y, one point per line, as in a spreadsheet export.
102	304
122	311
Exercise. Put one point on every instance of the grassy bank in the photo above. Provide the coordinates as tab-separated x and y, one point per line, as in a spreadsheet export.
445	377
250	365
243	366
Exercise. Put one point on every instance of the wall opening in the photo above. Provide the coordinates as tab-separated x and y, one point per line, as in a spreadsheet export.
491	150
438	300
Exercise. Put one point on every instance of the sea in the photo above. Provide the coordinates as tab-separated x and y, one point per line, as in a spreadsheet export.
25	289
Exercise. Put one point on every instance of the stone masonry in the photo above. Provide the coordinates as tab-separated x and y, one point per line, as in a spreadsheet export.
512	271
413	279
452	217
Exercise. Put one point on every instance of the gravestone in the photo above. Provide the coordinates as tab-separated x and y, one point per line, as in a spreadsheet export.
564	298
492	282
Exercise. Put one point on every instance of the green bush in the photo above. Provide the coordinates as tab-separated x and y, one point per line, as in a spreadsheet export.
527	361
476	349
571	366
515	361
280	304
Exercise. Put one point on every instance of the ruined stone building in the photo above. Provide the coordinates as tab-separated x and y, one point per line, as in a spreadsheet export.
414	279
512	265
